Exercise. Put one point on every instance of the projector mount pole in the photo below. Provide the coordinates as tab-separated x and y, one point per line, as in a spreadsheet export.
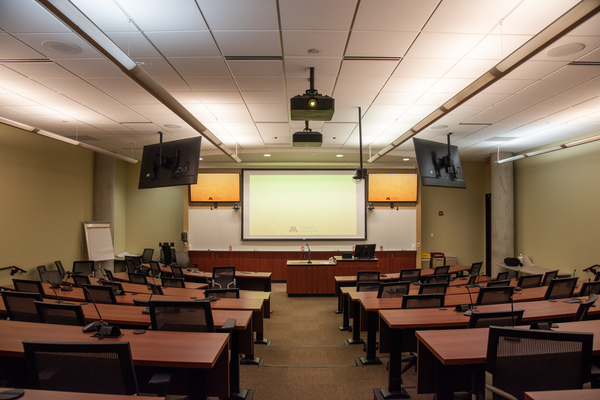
360	142
312	90
160	134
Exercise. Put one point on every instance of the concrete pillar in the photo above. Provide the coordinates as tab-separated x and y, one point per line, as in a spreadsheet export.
104	199
503	210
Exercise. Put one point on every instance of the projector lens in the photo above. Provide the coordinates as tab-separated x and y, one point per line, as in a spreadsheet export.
312	103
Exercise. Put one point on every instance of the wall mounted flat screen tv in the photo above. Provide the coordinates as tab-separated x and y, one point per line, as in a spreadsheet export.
396	187
364	251
216	187
172	163
439	164
302	205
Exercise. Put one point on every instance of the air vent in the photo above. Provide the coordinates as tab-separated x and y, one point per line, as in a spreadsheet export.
365	58
253	58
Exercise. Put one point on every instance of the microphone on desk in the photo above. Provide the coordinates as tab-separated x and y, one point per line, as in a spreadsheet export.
58	300
308	247
103	328
472	308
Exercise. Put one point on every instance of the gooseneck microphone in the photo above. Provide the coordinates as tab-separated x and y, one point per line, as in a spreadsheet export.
96	325
58	300
308	247
472	308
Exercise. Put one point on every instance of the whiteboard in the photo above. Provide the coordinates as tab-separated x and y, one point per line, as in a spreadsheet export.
220	228
99	241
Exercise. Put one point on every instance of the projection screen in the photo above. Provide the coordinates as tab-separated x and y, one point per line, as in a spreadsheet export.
302	204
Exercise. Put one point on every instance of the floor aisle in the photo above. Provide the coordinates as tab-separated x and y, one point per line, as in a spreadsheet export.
307	357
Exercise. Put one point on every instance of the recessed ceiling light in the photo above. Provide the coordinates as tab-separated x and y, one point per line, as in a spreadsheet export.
406	159
267	155
339	155
201	159
565	50
439	127
172	126
58	46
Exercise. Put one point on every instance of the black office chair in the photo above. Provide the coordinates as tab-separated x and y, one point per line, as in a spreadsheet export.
99	294
231	293
560	288
167	254
441	270
172	282
393	289
130	265
60	269
155	270
584	307
475	268
597	276
588	288
83	268
441	278
502	276
365	286
80	280
60	313
99	367
521	360
156	289
506	282
138	278
20	306
187	316
429	288
529	281
496	318
41	269
410	275
223	277
495	295
434	300
548	276
109	275
26	285
434	259
117	287
369	276
182	259
147	255
177	271
52	277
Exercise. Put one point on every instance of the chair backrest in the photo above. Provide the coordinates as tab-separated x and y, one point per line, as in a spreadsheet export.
136	277
83	268
588	288
410	275
99	367
427	288
147	255
60	313
156	289
80	280
527	281
26	285
584	307
441	270
523	360
51	276
140	303
130	265
496	318
182	258
231	293
172	282
117	287
548	276
476	268
99	294
60	269
502	276
20	306
41	269
365	286
154	269
423	300
495	295
597	276
393	289
189	316
506	282
136	260
560	288
370	276
442	278
223	277
176	271
434	259
166	253
109	275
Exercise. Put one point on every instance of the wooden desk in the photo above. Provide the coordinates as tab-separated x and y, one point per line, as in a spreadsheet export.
245	280
198	358
582	394
31	394
315	277
396	330
443	352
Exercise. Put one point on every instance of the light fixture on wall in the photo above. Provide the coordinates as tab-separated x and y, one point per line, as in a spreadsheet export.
371	206
236	206
550	149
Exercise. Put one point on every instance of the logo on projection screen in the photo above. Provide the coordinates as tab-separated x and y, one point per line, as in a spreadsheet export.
293	229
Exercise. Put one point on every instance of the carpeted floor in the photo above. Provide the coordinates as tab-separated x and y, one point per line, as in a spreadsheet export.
307	357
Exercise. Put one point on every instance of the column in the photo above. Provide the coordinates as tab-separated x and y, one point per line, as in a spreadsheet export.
503	210
104	194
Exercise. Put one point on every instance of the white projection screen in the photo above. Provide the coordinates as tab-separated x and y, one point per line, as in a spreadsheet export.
302	204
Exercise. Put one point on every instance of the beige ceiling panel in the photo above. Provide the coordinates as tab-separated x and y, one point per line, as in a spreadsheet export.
405	15
37	41
409	85
184	44
28	16
300	67
531	16
367	68
317	14
265	97
248	43
443	45
199	66
469	16
11	48
379	44
239	14
220	98
211	83
360	84
160	15
260	83
297	43
92	68
256	67
134	44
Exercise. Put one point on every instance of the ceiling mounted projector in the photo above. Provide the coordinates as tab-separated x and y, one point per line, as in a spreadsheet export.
307	138
312	106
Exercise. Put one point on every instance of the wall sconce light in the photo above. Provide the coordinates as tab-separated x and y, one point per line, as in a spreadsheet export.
236	206
391	205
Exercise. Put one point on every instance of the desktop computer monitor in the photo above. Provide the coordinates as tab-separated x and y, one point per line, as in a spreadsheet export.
364	251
